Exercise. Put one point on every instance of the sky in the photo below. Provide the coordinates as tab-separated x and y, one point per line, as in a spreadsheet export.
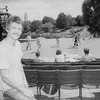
37	9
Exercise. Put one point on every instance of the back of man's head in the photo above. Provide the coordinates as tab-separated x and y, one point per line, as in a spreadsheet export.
86	51
37	54
58	52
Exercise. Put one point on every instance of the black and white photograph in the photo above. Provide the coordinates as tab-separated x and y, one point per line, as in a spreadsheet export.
49	50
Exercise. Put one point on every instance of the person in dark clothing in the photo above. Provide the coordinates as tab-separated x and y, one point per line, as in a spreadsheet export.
76	40
1	30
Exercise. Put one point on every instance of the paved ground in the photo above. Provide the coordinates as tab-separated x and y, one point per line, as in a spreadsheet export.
68	94
48	48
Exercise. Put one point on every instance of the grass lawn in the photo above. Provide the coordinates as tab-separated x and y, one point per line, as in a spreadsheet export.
48	47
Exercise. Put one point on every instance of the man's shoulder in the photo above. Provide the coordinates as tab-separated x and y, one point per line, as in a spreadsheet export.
38	60
90	55
2	48
87	58
83	57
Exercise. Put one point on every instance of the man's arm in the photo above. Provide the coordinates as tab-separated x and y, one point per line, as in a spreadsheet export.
7	78
24	77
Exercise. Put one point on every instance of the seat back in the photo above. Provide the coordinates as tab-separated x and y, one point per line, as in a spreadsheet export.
27	61
74	67
91	67
70	77
31	77
91	76
47	76
92	63
57	67
40	67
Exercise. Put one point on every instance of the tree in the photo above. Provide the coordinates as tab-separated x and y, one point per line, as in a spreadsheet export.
79	20
48	19
91	15
73	22
36	24
69	18
26	26
86	11
47	27
62	21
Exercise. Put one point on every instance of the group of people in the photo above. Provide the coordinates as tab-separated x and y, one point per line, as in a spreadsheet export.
76	39
12	77
28	43
65	57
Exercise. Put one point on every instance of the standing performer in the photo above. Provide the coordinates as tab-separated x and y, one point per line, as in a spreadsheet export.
76	40
38	44
57	38
28	42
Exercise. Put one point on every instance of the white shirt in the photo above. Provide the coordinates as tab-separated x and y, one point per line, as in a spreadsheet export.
59	58
10	59
28	37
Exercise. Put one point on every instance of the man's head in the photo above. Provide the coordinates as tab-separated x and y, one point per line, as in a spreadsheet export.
37	54
86	51
14	27
58	52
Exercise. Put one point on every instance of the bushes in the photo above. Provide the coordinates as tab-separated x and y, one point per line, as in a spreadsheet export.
34	35
47	27
49	35
46	35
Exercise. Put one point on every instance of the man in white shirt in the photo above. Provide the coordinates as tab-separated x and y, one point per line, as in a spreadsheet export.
28	38
14	81
38	59
87	56
38	44
59	56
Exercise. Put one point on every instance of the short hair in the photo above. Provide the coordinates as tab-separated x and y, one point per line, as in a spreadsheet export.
37	54
58	52
13	19
86	50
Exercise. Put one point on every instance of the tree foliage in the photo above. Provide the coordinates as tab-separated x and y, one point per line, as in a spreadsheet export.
64	21
91	15
73	22
60	22
35	25
47	27
26	26
79	20
48	19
